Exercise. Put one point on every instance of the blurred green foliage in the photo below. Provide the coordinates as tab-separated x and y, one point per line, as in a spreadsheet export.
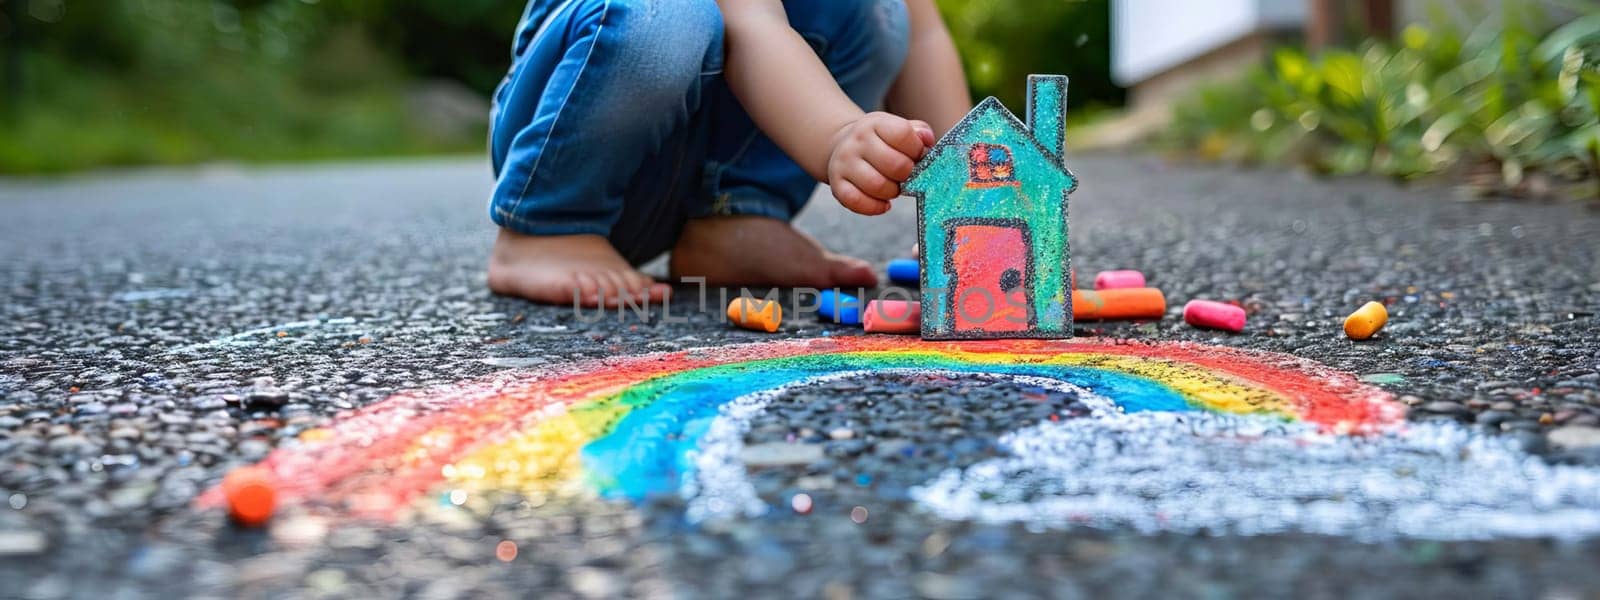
95	83
91	83
1509	98
1003	41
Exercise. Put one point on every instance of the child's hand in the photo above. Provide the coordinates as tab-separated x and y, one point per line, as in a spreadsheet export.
872	156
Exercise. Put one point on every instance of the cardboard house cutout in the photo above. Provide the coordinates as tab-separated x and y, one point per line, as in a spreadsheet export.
992	222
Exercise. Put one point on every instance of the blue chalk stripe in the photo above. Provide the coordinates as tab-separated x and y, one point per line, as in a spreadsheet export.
651	450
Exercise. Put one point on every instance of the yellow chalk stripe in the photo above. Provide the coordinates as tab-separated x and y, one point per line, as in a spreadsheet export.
542	459
1213	391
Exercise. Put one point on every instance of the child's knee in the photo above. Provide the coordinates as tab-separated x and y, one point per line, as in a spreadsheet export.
661	46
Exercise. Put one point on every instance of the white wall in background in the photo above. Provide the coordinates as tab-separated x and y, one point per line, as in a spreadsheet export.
1151	36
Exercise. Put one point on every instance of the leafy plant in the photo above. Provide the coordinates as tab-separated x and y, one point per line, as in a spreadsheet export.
1502	96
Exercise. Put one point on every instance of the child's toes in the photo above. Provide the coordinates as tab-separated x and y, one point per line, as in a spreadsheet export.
611	288
625	289
641	288
628	288
588	289
658	292
637	283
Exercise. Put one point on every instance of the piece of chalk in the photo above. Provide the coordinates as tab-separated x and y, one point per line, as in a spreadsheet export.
251	496
1126	303
1366	321
839	307
905	271
1214	315
1116	280
892	316
755	314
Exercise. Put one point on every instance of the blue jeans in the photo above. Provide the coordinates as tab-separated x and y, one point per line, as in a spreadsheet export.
615	119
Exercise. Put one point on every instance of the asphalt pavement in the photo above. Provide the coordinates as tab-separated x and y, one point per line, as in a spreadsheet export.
161	327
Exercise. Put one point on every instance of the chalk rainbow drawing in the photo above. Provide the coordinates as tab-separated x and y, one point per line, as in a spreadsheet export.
1233	440
628	425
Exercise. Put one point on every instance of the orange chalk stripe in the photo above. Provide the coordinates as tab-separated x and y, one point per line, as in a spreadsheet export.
1124	303
755	314
1366	321
251	496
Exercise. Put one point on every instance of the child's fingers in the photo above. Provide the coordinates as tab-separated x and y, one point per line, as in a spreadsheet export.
857	201
867	179
900	135
924	133
889	163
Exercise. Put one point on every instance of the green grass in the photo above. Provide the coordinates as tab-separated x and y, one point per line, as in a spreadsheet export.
76	119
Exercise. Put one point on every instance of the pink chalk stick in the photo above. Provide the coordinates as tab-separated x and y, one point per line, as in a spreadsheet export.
1214	315
892	316
1112	280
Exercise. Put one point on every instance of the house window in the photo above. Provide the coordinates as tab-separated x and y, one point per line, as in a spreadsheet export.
990	164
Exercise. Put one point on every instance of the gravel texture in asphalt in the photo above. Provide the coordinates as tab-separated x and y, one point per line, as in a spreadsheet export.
163	327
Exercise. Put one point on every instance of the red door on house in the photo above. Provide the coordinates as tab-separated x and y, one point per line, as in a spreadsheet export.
989	264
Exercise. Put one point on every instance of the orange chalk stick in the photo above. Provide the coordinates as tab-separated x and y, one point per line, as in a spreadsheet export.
892	316
1124	303
1366	321
251	496
755	314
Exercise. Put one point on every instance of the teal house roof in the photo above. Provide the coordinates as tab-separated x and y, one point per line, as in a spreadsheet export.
991	121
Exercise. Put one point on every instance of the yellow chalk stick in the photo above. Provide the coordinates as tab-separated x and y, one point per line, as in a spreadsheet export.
755	314
1366	321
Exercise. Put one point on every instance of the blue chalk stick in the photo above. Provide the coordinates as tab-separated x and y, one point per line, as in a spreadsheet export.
904	271
839	307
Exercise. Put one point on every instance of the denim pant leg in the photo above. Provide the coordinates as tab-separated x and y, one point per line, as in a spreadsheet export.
593	128
864	45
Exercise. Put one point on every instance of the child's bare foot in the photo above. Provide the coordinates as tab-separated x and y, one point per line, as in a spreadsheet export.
550	269
748	250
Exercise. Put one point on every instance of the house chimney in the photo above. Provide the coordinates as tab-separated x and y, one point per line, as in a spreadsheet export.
1047	112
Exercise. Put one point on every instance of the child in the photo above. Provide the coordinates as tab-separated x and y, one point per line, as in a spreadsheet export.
627	128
